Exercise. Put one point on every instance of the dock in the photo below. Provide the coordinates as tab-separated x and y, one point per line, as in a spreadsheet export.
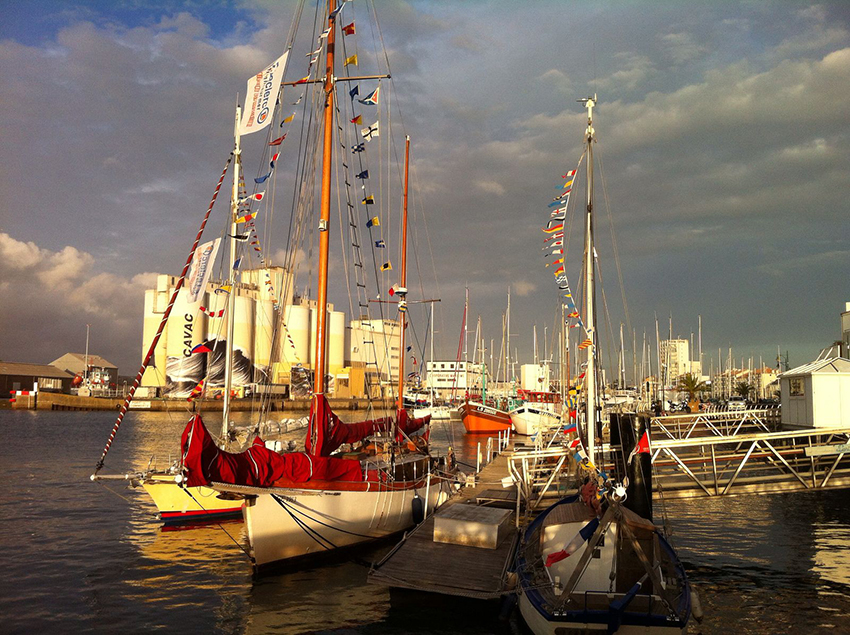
421	563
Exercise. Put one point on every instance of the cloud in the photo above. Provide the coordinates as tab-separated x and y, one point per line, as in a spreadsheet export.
56	293
681	47
491	187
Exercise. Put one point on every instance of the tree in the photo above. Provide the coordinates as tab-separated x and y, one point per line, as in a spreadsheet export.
692	385
742	389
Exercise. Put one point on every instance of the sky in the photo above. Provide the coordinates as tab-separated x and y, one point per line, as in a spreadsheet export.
723	131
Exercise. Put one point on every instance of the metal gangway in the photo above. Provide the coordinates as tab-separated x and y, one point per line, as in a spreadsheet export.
749	463
718	423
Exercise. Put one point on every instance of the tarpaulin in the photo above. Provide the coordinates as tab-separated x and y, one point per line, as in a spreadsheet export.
204	463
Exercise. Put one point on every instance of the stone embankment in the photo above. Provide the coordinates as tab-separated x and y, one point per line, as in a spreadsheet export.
57	401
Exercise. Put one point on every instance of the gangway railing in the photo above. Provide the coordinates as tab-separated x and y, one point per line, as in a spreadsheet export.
761	462
721	423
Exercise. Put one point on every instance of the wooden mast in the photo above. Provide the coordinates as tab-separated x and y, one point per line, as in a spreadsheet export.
402	309
320	368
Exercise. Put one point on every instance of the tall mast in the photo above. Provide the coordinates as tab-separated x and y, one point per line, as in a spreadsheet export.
590	377
401	303
508	367
231	297
325	210
431	369
86	369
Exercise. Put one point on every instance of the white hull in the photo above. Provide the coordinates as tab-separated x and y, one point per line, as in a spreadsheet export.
528	419
328	519
438	413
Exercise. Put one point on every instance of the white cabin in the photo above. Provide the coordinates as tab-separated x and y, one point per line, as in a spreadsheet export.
816	395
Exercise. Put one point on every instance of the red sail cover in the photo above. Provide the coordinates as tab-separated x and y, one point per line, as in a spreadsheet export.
408	426
258	466
326	432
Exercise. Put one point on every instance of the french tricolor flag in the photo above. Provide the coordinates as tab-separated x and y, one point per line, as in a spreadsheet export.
581	537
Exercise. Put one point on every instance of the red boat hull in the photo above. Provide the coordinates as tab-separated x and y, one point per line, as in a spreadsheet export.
481	419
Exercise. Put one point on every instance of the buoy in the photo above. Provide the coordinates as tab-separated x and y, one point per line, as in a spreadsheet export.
696	607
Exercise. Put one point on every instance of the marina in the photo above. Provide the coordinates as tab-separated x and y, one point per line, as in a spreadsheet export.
307	442
788	569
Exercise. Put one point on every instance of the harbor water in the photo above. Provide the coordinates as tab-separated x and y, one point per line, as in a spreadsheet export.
77	556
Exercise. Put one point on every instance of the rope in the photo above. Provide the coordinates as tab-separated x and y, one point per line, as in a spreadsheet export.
162	323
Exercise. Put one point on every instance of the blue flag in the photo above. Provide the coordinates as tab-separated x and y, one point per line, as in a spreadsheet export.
354	91
380	244
262	179
363	175
360	147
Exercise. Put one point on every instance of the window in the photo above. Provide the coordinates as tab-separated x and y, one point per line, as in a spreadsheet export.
798	387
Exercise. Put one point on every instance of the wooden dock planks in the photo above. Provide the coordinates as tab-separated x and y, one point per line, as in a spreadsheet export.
421	564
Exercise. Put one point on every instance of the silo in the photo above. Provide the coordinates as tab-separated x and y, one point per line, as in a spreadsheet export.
314	324
186	329
263	333
155	372
243	340
336	342
216	326
297	320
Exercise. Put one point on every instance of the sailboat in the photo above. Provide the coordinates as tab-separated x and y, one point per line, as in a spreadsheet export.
593	562
300	504
176	503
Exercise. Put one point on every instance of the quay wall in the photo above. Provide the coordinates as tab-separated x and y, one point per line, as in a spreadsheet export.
58	401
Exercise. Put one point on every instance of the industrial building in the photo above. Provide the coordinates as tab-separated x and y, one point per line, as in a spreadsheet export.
101	374
261	352
15	376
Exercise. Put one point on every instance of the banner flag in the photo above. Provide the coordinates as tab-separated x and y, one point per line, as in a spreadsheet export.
261	97
200	270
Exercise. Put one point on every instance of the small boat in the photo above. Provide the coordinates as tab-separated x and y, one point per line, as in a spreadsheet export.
479	418
627	580
536	413
595	562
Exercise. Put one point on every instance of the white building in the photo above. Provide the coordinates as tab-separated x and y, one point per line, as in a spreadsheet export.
816	395
675	355
375	344
450	378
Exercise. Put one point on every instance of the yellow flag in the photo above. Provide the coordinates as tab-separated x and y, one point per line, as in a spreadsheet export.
351	60
289	118
386	266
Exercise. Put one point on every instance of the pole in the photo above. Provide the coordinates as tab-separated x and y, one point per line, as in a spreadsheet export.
401	308
325	210
590	377
231	297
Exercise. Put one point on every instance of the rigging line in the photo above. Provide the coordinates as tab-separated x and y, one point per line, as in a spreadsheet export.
220	526
614	243
126	405
293	510
312	533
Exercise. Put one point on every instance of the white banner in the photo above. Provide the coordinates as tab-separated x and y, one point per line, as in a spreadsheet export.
200	270
261	97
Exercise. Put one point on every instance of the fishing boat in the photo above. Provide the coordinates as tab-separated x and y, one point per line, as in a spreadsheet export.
481	418
595	562
538	411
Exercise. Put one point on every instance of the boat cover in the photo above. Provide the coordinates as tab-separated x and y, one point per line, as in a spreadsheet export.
326	432
204	462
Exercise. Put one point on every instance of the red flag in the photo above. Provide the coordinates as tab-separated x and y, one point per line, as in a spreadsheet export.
348	29
357	120
278	141
641	448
